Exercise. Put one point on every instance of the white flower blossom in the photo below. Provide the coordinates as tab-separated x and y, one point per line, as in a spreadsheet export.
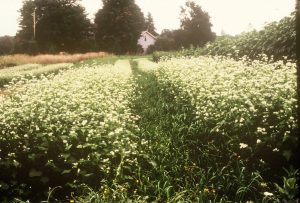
243	145
268	194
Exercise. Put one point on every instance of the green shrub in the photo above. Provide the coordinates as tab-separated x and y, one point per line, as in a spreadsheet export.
277	41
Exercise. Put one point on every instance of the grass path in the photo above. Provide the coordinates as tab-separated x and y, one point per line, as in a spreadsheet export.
165	122
122	63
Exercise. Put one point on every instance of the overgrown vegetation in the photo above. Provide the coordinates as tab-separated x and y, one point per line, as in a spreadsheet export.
119	25
277	41
195	30
194	130
18	59
60	25
66	130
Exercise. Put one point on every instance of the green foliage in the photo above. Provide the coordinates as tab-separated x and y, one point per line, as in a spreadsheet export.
195	30
277	40
201	149
6	45
207	129
188	53
290	187
196	24
28	71
168	40
68	129
118	26
149	24
235	126
61	25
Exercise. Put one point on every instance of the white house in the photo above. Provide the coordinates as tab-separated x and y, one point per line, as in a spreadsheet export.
147	39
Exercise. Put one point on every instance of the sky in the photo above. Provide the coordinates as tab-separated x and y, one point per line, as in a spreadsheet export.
227	16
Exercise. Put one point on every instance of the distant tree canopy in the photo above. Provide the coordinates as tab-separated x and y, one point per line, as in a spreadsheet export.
195	30
169	40
149	24
196	24
118	26
6	45
61	25
276	40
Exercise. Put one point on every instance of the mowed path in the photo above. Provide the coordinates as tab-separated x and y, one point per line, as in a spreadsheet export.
164	123
122	64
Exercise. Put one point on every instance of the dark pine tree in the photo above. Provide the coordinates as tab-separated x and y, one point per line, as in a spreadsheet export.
149	24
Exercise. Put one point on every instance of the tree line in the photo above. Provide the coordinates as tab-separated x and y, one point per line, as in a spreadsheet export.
53	26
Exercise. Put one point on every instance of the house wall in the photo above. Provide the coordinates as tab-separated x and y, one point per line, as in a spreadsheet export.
145	41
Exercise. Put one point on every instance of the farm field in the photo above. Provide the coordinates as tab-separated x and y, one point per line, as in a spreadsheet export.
20	59
29	71
204	129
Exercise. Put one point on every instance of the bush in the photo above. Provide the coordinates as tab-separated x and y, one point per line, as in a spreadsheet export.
276	41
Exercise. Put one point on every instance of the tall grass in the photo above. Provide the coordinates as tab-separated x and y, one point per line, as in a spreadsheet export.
10	60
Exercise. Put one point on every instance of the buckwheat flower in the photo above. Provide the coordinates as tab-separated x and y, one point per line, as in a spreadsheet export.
206	190
243	145
262	161
263	184
258	141
84	122
275	150
268	194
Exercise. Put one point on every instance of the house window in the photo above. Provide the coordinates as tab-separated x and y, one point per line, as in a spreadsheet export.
145	38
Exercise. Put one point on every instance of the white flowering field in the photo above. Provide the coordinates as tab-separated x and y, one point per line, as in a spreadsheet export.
191	130
29	70
254	102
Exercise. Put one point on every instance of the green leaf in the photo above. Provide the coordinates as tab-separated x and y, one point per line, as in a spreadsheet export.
287	154
66	172
35	173
44	179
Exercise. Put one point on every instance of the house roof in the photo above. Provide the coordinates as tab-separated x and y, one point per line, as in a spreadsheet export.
147	32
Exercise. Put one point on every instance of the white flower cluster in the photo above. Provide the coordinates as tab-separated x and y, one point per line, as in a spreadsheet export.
8	74
229	94
86	107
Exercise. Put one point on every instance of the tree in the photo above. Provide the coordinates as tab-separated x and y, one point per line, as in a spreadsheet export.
6	45
61	25
169	40
149	24
118	26
196	24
